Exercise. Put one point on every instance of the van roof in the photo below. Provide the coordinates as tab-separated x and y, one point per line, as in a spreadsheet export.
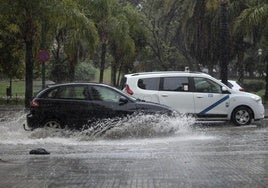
163	72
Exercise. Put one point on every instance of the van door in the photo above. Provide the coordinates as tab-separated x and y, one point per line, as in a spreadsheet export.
147	89
209	101
175	92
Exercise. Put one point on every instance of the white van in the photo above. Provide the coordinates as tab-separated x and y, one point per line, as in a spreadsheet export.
196	93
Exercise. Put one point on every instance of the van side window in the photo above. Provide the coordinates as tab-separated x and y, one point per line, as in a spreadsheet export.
204	85
149	83
176	84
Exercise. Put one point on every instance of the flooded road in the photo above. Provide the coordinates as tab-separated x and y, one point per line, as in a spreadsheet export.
137	152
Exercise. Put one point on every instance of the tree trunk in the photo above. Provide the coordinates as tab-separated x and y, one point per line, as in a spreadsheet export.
113	73
29	73
240	66
73	62
224	35
10	85
102	65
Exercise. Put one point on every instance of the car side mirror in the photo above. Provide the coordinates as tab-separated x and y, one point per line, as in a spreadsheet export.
123	100
224	90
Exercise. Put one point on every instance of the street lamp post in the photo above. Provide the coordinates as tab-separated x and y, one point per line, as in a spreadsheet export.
259	58
260	54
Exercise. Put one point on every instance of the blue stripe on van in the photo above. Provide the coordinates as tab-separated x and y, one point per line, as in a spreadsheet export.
214	105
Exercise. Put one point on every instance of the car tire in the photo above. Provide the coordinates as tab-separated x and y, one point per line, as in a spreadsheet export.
52	123
242	116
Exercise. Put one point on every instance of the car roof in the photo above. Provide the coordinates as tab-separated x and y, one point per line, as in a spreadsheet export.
51	87
78	83
73	84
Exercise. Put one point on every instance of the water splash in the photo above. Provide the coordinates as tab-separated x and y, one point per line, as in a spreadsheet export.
11	131
134	126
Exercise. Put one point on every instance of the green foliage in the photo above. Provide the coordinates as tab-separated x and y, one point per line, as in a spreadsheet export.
159	35
85	71
253	85
11	62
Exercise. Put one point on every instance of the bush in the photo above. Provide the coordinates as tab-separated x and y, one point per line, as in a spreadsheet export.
85	71
254	85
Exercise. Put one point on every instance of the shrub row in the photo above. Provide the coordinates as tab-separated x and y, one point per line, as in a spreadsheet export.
253	85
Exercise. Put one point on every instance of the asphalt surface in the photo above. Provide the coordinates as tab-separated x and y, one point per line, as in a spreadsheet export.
218	155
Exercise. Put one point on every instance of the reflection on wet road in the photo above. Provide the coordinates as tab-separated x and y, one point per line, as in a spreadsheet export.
143	152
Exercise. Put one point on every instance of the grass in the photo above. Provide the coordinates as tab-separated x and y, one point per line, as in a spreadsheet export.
18	87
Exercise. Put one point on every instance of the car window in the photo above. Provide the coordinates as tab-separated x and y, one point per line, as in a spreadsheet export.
176	84
68	92
205	85
104	94
149	83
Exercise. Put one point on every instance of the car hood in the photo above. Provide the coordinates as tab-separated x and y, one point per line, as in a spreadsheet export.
242	93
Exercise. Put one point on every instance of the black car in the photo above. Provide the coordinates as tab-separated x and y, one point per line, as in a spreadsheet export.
78	104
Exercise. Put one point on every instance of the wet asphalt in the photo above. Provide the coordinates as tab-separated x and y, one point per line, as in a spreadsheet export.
216	155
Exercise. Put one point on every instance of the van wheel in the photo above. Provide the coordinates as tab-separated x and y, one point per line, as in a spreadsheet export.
242	116
52	123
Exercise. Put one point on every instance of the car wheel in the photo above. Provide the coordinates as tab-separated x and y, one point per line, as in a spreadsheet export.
53	124
242	116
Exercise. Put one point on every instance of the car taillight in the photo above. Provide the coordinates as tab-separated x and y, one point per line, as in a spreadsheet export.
34	104
128	90
241	89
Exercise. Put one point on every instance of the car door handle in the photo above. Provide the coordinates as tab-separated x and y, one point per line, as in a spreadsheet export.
199	97
164	95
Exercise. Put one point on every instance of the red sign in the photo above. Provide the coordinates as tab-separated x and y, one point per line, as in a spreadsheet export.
43	56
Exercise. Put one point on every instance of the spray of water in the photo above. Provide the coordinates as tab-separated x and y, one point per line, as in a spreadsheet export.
138	126
134	126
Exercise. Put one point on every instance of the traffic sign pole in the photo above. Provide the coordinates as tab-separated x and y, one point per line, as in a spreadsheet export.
43	75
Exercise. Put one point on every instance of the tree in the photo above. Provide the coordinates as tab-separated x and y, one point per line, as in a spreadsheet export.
101	12
29	15
81	34
127	40
163	21
26	17
253	22
200	22
74	38
10	49
239	44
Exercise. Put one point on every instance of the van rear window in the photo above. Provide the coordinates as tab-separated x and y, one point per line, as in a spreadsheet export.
149	83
